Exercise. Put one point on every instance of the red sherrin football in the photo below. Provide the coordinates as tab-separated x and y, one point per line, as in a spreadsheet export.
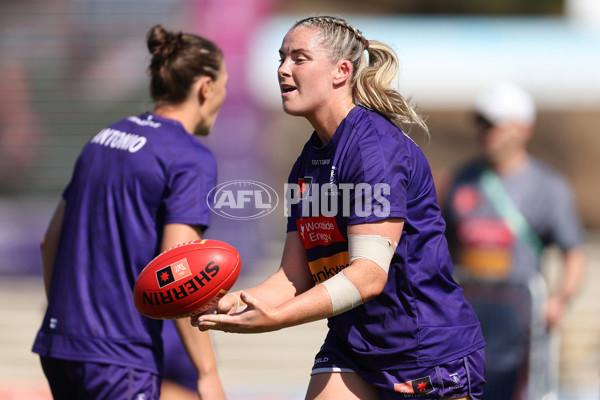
187	279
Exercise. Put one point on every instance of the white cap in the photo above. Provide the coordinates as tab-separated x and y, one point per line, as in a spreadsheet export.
503	102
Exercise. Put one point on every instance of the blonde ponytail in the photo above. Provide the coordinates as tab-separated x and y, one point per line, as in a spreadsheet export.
373	87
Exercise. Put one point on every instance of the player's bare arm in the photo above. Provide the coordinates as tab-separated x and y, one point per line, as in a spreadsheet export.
311	305
292	278
49	244
197	346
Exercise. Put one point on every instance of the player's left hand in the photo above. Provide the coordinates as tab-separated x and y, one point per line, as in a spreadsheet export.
256	318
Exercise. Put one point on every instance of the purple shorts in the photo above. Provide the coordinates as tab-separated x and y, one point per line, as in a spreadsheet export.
457	378
88	380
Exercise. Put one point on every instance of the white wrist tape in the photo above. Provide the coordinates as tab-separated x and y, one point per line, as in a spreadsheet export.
344	295
376	248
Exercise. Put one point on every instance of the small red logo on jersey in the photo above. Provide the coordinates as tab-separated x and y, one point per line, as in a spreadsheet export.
305	184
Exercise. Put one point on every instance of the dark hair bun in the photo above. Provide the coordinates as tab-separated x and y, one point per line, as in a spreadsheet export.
177	60
163	43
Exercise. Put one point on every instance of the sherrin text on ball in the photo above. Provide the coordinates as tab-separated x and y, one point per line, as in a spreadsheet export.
187	279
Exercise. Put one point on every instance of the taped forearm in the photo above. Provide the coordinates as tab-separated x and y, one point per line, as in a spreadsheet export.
344	295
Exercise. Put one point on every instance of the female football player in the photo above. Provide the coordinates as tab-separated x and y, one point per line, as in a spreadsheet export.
139	187
365	244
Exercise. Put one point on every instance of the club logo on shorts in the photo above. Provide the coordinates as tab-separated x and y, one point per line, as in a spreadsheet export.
456	381
455	378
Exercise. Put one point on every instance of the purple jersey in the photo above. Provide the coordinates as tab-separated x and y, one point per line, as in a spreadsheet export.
371	171
130	179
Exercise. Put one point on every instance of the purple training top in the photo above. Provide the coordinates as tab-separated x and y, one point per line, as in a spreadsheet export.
130	179
371	171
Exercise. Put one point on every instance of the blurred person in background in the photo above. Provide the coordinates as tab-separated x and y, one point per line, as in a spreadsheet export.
502	210
139	187
399	326
21	128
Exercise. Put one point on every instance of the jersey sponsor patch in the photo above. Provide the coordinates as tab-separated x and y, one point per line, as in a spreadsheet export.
417	386
319	231
172	273
326	267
